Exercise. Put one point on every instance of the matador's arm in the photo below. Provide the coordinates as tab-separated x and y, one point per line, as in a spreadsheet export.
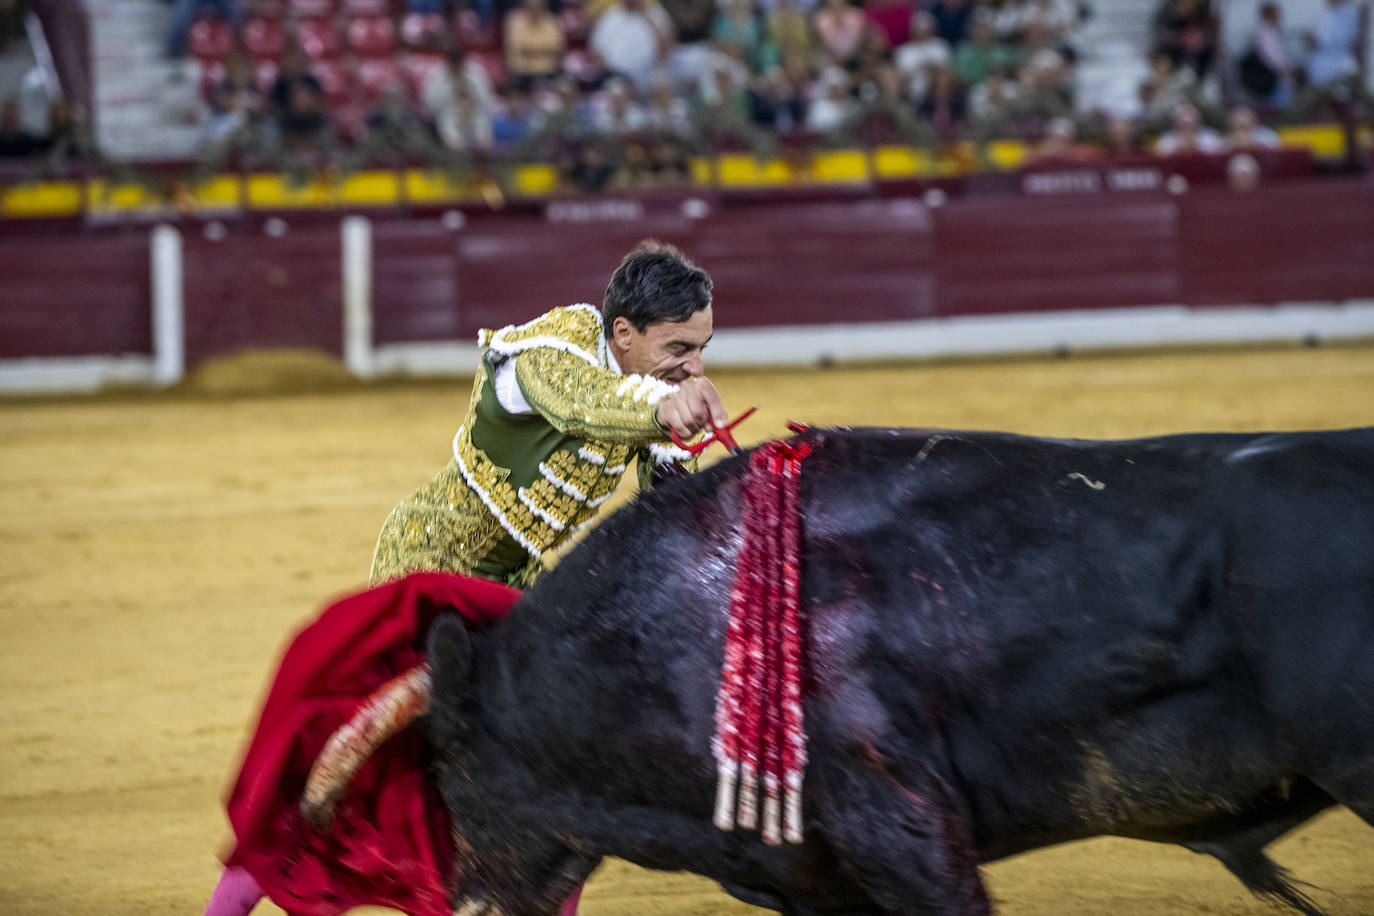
580	399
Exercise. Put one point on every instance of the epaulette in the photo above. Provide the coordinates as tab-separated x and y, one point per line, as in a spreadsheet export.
574	329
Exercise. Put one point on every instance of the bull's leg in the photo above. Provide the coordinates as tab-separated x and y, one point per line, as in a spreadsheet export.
1335	730
1260	874
904	839
1238	841
1331	728
1237	838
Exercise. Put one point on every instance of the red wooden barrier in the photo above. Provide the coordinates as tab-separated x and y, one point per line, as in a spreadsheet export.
415	288
774	263
1028	255
1299	242
259	291
81	296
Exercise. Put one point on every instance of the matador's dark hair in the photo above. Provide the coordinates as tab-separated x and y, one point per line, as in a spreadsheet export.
655	282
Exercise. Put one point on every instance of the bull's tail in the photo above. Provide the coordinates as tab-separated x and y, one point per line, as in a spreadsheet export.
394	705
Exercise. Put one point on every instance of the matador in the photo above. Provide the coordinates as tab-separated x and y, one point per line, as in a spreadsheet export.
560	405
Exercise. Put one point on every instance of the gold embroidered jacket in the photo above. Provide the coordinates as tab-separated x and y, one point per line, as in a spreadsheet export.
522	483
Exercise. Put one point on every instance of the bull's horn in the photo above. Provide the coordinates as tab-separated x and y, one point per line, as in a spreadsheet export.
390	708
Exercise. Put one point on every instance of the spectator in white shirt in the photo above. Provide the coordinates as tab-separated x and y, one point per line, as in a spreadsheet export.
994	98
1247	132
1054	15
833	104
1189	135
922	53
459	99
632	37
1333	43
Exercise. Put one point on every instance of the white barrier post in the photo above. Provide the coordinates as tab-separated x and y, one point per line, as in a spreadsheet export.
169	321
357	294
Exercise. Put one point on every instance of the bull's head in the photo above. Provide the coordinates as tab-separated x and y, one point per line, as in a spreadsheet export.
512	858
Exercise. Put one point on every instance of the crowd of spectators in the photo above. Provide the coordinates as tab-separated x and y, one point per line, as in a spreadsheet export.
626	91
1280	69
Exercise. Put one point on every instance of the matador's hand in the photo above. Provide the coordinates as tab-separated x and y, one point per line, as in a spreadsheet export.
695	406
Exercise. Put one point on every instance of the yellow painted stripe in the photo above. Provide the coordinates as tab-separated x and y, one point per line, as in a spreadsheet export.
1006	154
1326	141
948	165
372	188
219	192
701	171
743	170
108	199
270	191
431	186
535	180
841	166
899	162
41	198
383	187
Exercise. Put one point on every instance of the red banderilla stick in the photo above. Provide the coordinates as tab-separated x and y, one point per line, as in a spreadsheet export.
719	434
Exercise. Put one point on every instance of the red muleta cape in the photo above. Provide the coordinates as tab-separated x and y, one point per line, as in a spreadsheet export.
389	843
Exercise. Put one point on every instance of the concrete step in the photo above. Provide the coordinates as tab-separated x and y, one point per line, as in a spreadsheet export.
1114	46
149	107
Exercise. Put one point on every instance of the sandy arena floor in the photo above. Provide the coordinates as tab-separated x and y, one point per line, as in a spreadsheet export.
155	551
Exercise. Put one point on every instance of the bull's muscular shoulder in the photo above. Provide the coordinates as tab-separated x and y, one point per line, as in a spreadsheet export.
574	329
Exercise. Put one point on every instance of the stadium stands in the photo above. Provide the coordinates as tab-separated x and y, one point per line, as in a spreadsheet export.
1069	62
1070	73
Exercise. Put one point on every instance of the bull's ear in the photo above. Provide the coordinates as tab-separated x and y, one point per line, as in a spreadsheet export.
450	659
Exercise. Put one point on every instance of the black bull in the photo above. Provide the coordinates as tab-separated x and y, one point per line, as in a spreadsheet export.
1012	642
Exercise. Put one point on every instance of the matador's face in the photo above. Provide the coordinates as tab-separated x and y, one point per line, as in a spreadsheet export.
667	350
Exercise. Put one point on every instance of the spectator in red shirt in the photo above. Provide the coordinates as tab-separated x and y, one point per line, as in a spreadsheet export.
891	18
